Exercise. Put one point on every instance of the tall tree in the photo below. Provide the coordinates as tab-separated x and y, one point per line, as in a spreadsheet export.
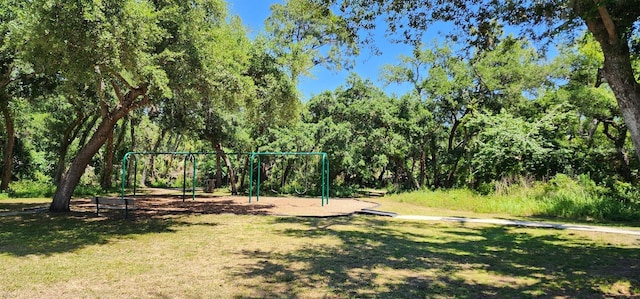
355	125
304	34
18	81
8	65
454	88
612	23
276	102
602	128
129	52
87	43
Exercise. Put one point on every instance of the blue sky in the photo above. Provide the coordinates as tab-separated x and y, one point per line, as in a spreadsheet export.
253	14
368	65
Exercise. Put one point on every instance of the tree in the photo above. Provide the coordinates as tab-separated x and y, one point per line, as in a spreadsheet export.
454	88
304	34
508	146
612	23
18	83
602	125
8	67
130	53
86	43
356	125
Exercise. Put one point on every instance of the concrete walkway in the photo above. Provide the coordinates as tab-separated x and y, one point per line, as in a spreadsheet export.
601	229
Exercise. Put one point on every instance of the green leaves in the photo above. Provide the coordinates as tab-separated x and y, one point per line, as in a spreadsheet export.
509	146
358	126
305	34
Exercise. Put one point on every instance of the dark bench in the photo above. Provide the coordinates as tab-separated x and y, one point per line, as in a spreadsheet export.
114	203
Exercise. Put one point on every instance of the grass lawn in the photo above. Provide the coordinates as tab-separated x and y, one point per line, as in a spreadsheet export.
8	205
241	256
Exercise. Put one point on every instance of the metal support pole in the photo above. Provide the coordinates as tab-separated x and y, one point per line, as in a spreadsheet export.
327	177
258	183
324	172
135	174
253	155
184	178
322	188
124	172
193	190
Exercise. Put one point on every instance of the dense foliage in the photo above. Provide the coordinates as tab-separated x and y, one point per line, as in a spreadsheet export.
159	76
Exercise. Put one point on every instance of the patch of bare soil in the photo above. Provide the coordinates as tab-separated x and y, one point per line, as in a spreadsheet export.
158	204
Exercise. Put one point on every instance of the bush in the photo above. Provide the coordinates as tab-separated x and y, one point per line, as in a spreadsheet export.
89	191
31	189
582	198
578	198
39	189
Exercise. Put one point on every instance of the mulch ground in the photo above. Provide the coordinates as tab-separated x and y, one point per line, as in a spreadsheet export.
150	205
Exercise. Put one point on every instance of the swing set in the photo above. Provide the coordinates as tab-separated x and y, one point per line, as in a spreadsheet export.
324	173
192	157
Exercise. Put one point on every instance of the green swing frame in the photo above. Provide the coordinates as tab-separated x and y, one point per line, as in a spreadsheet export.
258	155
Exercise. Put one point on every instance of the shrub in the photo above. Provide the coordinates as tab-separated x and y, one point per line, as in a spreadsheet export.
30	189
582	198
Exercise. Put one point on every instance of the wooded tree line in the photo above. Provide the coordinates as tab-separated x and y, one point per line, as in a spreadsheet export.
83	82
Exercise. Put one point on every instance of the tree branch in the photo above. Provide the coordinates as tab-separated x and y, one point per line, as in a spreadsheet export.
608	22
6	77
119	76
606	132
145	100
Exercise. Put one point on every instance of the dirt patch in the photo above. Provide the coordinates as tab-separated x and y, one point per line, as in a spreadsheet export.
158	205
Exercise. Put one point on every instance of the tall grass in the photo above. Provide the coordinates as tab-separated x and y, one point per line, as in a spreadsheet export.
36	189
471	201
562	196
581	198
31	189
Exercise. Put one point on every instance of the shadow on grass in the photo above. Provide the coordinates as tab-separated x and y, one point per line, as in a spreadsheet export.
46	234
19	207
389	259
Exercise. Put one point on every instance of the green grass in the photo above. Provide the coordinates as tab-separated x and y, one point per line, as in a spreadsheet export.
21	204
562	198
466	201
34	189
239	256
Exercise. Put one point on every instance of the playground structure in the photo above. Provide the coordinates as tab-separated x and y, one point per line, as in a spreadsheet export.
324	171
308	172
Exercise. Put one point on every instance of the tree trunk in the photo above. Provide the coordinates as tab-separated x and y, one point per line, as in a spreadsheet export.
107	168
617	68
381	177
619	141
423	166
71	178
131	167
150	164
411	173
117	145
243	174
620	77
285	175
435	163
70	134
8	149
112	148
218	168
232	175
